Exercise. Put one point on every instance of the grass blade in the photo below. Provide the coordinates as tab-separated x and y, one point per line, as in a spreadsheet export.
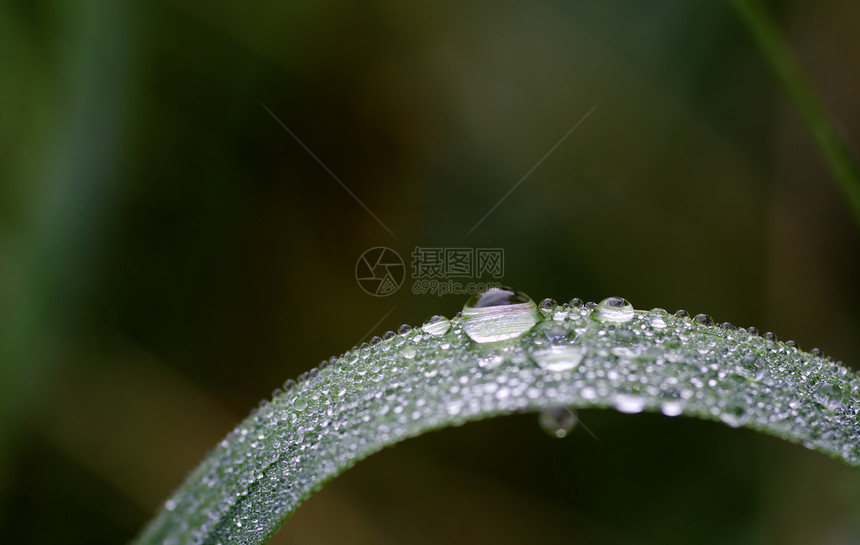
436	376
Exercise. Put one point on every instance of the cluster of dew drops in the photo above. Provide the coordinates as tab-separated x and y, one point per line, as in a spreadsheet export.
501	314
587	354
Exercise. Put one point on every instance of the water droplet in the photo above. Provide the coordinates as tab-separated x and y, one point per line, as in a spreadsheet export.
703	319
576	302
734	417
498	314
558	421
751	367
658	322
405	329
627	403
491	361
614	309
682	314
548	304
552	332
559	358
829	395
671	408
436	325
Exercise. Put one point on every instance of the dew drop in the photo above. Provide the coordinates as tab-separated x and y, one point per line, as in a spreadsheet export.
671	408
658	322
558	421
734	417
552	332
704	319
627	403
491	362
548	304
559	358
614	309
498	314
829	395
751	367
436	325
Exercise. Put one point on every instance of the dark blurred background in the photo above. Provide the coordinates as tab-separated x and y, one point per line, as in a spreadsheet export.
169	254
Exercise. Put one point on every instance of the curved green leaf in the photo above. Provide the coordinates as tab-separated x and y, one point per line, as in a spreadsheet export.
428	378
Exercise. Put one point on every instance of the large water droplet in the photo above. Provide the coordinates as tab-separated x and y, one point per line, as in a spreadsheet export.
498	314
559	358
558	421
829	395
436	325
614	309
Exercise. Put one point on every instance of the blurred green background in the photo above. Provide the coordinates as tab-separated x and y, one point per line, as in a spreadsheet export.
169	254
